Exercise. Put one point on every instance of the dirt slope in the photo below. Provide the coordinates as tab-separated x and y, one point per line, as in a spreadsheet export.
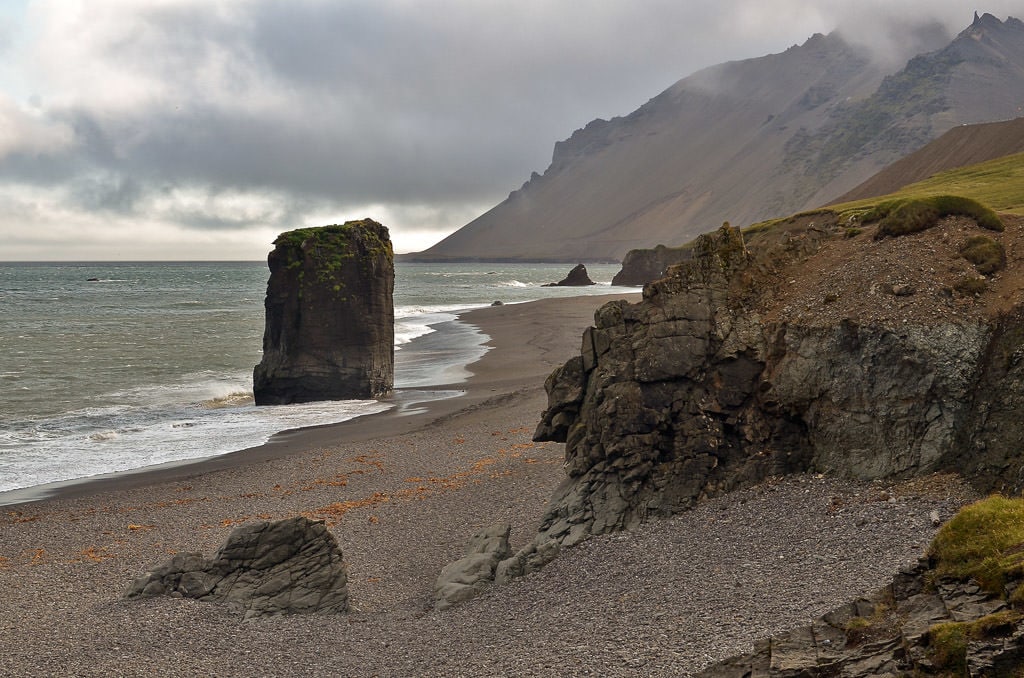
959	147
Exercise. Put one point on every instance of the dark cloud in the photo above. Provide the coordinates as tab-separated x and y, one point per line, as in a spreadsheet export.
325	107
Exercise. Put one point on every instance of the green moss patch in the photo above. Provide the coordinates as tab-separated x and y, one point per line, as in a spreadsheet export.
947	642
903	217
987	255
983	542
330	248
970	286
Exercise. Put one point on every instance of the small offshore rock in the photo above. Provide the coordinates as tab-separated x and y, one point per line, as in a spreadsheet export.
577	277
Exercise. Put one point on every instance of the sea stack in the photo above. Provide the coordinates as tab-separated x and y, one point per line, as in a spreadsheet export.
577	277
330	319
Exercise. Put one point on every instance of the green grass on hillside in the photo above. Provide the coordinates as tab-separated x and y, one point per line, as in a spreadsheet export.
998	184
901	217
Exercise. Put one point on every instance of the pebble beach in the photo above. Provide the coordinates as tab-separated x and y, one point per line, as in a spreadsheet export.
402	492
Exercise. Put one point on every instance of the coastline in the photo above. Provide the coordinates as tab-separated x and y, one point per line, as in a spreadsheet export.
525	340
402	493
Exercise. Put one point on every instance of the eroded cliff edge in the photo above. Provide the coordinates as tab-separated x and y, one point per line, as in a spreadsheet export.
808	346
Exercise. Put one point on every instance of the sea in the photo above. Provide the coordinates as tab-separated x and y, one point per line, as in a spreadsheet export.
114	367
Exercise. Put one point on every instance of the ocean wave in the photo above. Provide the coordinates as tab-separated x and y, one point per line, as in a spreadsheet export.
110	440
233	399
100	436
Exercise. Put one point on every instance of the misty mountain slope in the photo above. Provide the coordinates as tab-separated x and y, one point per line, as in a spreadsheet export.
743	141
978	77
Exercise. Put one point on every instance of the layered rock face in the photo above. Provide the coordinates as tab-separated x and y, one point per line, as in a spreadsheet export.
329	316
285	567
748	362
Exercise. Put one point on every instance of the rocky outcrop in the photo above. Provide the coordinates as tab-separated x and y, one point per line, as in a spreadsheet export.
721	377
957	612
290	566
468	576
577	277
895	632
642	266
329	316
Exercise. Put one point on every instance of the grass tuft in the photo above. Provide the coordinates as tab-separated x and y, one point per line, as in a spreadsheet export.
987	255
983	542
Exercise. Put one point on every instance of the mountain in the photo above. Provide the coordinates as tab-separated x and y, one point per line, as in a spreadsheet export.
745	141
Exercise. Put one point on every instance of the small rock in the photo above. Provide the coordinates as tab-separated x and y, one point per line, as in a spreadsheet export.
903	290
463	579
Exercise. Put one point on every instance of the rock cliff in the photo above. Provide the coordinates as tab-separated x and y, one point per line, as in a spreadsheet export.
329	316
812	346
641	266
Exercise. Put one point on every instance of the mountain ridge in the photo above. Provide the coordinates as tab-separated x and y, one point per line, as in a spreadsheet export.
742	141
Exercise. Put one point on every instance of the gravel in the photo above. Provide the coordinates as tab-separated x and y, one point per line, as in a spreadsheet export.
665	600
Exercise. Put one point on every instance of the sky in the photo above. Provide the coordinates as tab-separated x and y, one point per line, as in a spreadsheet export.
200	129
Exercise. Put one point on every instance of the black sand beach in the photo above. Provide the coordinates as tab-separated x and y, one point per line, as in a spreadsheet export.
402	491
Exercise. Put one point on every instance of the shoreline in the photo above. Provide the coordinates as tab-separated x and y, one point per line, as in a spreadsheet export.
402	495
510	348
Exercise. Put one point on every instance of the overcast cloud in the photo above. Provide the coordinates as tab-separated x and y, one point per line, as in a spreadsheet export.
195	129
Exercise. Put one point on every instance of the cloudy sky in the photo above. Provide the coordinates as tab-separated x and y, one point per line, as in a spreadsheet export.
199	129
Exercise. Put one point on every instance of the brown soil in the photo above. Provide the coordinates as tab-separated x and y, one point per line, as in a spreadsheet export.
892	281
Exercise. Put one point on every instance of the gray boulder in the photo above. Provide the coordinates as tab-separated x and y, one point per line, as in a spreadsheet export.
290	566
468	576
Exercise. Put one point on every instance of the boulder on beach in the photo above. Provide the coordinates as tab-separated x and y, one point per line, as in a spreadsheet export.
330	320
289	566
466	577
577	277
